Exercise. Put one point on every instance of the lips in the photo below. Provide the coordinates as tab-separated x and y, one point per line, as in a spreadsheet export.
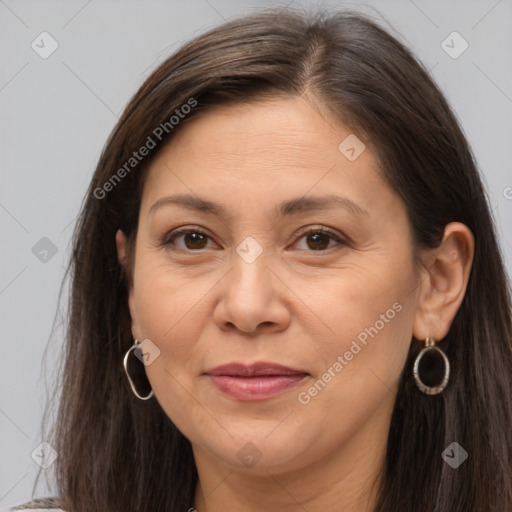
258	381
253	370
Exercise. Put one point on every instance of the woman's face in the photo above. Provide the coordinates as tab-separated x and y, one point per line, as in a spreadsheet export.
299	255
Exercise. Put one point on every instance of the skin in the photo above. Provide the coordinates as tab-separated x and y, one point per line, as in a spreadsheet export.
203	305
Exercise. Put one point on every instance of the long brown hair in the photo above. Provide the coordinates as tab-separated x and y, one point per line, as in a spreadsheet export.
119	453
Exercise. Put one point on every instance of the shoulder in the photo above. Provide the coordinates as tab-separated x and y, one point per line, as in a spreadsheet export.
40	505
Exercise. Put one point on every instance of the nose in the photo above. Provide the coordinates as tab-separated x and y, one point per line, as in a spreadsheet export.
253	299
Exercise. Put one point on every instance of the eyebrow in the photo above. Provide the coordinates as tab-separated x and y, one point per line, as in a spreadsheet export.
290	207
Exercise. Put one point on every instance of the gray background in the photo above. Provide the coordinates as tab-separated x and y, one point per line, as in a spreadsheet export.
57	113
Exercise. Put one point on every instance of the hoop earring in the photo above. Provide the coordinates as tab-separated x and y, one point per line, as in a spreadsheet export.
135	346
428	363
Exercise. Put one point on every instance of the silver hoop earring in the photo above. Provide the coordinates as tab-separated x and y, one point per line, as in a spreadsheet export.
429	376
135	346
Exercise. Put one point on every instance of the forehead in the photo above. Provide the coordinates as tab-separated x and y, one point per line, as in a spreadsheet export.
262	152
275	132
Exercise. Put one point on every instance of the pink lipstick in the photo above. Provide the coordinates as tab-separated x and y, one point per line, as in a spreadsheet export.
252	382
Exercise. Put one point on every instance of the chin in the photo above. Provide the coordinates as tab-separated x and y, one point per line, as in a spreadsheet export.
259	453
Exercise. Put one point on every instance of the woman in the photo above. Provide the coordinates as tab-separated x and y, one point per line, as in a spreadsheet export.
287	291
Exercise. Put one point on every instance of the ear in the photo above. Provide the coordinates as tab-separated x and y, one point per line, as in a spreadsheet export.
444	282
121	243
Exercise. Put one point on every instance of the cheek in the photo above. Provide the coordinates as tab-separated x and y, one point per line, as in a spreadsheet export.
370	317
359	304
168	311
360	370
160	294
169	314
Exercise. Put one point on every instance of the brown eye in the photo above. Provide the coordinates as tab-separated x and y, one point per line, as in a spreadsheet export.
195	240
192	239
320	240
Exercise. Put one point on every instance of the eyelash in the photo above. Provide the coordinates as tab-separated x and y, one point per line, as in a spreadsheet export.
171	239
